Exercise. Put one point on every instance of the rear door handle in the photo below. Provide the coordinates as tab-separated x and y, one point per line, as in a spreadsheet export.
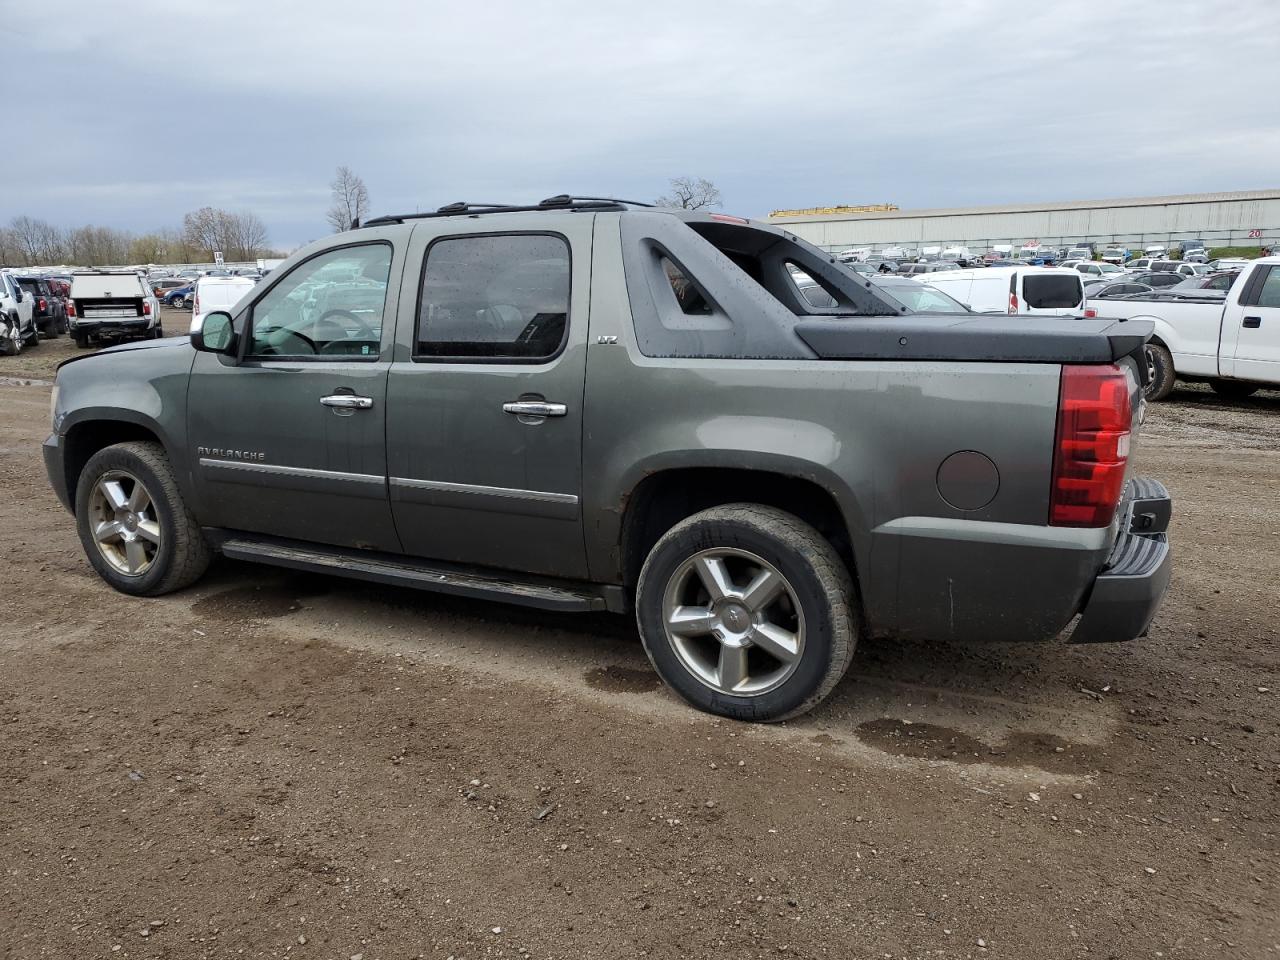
1253	322
347	401
535	408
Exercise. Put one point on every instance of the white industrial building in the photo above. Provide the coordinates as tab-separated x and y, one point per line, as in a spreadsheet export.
1247	218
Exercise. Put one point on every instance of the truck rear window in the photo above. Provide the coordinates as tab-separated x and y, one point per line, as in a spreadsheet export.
1052	292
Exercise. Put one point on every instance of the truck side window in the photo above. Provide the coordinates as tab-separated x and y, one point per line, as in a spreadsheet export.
499	296
1269	294
330	306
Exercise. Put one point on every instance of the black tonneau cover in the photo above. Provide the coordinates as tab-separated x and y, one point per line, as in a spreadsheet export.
993	338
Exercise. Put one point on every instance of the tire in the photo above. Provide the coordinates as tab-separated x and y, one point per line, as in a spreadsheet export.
1160	368
1234	389
81	339
12	346
152	549
813	615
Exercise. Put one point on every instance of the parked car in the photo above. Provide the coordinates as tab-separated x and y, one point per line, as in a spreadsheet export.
668	429
1228	263
937	266
1094	269
1105	289
1157	279
112	305
1179	267
49	309
1115	255
1139	263
163	286
1031	291
17	317
181	296
1084	254
1232	343
915	296
217	293
1209	281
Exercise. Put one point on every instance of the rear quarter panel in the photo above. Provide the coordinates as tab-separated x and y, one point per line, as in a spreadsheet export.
874	434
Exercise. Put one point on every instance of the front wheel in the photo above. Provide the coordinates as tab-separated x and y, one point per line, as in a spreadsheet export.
134	526
748	612
1234	389
1160	373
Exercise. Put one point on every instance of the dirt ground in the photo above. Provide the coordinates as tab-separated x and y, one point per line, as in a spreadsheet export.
279	765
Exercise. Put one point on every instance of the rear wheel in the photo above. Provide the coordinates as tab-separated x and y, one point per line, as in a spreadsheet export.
134	526
1160	374
1234	389
81	339
748	612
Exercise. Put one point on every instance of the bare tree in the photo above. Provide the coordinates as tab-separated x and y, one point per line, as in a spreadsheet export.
246	236
36	241
350	200
690	193
91	246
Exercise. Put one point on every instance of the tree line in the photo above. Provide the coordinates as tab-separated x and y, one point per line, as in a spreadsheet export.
28	241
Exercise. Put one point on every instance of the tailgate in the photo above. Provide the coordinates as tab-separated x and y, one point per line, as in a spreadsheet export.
114	308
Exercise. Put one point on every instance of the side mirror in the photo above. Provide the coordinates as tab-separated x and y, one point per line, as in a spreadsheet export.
214	334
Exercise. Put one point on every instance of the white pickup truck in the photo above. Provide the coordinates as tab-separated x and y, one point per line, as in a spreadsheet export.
1233	345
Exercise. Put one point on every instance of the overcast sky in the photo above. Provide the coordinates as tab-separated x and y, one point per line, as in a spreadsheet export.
131	113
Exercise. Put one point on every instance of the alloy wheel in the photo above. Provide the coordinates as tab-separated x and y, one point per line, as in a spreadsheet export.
734	621
122	518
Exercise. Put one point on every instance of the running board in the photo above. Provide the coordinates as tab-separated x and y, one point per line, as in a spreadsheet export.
504	587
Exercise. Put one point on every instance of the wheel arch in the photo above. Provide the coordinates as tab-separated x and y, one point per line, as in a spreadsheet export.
662	498
95	430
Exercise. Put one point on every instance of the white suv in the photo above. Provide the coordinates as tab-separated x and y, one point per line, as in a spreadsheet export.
17	313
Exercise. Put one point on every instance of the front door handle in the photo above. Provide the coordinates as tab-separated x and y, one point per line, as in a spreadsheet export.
347	401
535	408
1253	322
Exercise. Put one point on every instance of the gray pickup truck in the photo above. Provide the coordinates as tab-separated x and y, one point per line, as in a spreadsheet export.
588	404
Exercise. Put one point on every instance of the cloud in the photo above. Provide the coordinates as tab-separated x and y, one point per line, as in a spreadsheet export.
161	107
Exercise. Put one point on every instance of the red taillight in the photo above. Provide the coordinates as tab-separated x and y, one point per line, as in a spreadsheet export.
146	308
1013	302
728	218
195	304
1090	312
71	308
1092	446
44	304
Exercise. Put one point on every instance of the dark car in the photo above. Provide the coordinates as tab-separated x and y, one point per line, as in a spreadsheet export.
1157	278
50	311
676	434
180	296
1210	281
1106	289
165	285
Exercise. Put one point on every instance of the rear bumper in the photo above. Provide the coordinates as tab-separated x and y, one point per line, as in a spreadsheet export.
112	328
1128	591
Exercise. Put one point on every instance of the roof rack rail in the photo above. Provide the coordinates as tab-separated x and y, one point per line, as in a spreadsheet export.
560	202
565	200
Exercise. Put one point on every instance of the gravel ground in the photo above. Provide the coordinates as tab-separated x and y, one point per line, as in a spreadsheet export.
272	765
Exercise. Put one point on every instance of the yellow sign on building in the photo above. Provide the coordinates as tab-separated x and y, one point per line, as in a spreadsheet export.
842	208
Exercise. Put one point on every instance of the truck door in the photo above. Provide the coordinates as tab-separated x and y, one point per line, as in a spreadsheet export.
289	437
1251	328
484	399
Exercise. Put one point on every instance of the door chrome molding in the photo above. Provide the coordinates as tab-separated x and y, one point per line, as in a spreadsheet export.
284	471
515	493
474	496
